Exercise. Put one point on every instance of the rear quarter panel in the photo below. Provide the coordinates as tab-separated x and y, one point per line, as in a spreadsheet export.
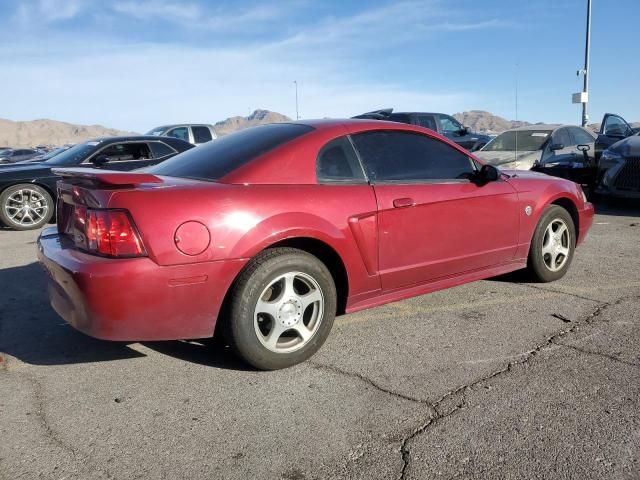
244	220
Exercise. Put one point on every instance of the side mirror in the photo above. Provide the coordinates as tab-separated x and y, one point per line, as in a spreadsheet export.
556	146
584	148
488	173
100	160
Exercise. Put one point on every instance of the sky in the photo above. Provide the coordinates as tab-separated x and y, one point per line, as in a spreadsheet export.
136	64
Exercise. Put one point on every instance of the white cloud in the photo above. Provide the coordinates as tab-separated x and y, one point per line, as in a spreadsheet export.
33	12
137	86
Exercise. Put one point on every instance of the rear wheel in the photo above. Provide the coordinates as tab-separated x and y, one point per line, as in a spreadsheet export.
25	207
552	245
282	309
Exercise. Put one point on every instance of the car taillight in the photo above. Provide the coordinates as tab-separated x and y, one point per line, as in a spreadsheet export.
107	232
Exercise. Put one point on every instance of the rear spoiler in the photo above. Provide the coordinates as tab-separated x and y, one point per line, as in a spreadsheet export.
107	177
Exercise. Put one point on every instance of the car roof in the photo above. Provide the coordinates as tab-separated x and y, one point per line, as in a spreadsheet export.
541	126
133	138
182	125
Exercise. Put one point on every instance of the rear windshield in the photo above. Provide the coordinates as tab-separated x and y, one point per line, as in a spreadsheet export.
521	140
215	159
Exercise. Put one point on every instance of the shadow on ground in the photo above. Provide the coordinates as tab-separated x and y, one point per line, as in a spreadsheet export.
618	207
33	333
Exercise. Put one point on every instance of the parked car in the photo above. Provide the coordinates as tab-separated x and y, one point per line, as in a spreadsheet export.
438	122
44	156
269	232
565	151
192	133
619	169
18	155
28	190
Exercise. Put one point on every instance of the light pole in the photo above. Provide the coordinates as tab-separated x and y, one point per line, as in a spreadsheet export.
296	83
587	48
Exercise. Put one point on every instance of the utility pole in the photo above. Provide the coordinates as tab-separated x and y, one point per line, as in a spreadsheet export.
296	83
587	48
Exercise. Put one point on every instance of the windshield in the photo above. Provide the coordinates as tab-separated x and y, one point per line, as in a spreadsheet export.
53	153
214	160
4	151
156	131
74	155
521	140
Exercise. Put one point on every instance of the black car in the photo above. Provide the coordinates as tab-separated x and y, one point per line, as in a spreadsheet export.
439	122
11	155
28	190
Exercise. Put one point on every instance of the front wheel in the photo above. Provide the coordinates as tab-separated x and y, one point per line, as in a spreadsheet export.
552	245
282	309
25	207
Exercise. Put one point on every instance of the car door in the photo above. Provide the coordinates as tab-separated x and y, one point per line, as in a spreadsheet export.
612	129
456	132
433	221
427	121
180	132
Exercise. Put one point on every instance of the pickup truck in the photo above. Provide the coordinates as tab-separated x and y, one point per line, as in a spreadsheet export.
439	122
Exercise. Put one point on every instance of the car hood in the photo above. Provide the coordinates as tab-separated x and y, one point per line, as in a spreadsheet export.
27	168
510	159
629	147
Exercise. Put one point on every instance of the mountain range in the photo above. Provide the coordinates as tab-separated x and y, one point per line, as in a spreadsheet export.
53	132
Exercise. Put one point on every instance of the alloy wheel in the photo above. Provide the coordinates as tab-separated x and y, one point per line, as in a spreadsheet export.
289	312
26	207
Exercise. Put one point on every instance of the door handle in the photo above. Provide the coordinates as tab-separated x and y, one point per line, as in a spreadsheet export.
403	202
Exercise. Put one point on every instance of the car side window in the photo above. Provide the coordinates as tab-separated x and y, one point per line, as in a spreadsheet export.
396	156
449	125
160	149
581	137
124	152
562	136
427	121
179	132
337	162
201	134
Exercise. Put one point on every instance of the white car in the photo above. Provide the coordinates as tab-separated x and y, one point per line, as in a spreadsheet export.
195	133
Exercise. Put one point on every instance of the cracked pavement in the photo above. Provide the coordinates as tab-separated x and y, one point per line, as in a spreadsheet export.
495	379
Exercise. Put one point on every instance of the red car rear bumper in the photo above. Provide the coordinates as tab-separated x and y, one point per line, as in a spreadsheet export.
133	299
585	221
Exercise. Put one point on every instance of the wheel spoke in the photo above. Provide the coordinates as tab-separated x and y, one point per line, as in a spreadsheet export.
310	298
271	340
563	250
303	331
289	291
561	230
270	308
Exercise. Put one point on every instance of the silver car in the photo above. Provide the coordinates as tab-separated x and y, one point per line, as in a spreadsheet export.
195	134
560	150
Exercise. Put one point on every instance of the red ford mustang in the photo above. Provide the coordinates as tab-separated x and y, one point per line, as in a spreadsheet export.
270	232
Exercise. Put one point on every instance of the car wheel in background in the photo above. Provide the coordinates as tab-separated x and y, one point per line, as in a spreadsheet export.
553	245
282	309
25	207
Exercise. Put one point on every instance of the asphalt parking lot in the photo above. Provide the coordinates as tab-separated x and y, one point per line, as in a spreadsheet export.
495	379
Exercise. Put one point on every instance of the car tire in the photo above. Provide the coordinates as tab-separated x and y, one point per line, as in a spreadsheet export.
552	246
282	308
26	207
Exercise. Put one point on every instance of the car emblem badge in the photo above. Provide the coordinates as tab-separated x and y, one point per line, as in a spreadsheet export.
528	210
